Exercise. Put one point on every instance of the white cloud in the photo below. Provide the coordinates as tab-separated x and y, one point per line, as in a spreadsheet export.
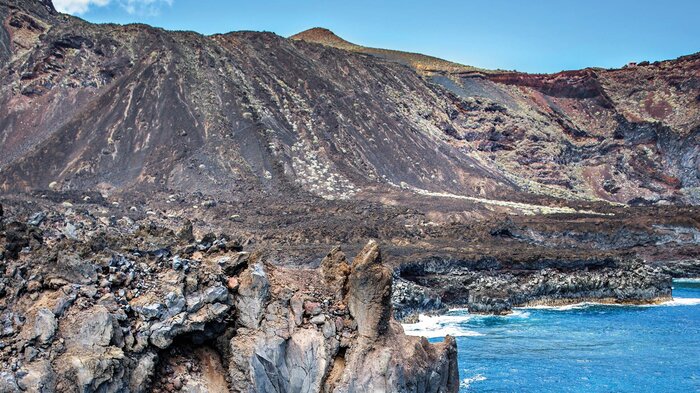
77	6
144	7
134	7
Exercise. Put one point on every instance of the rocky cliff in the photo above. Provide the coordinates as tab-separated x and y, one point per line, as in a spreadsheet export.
93	304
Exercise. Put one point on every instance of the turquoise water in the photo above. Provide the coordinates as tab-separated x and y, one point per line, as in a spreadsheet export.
581	348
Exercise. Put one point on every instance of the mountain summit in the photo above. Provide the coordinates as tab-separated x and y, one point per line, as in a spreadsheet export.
326	37
422	63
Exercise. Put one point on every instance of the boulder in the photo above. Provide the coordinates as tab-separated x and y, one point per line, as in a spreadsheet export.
142	374
253	294
43	327
38	377
96	329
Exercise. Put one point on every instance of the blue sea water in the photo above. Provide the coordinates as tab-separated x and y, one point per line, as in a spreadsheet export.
581	348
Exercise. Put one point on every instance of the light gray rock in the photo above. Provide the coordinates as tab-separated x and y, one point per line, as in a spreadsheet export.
8	383
294	365
174	303
39	378
97	328
44	326
253	294
150	311
318	320
215	294
37	218
163	333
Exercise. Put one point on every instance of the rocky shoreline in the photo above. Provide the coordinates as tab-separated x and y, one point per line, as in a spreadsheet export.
173	205
97	297
430	287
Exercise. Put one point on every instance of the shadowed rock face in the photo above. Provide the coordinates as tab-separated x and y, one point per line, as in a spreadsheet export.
369	290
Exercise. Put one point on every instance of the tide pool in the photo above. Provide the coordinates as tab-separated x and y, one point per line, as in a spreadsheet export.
578	348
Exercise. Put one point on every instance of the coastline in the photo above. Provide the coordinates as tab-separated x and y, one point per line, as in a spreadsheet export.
432	319
546	303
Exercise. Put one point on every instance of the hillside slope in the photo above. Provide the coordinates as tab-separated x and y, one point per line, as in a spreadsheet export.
125	107
626	135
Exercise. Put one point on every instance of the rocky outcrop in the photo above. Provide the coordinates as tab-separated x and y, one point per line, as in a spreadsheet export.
369	292
131	306
383	358
410	299
484	289
305	343
335	270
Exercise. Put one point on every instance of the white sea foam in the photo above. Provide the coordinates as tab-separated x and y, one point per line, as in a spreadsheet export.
682	301
466	382
433	326
439	326
565	307
686	280
465	315
517	314
576	306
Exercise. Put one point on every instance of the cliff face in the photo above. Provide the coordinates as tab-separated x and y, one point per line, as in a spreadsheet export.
620	135
124	306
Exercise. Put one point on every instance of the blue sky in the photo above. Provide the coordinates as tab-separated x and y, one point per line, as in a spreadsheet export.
531	36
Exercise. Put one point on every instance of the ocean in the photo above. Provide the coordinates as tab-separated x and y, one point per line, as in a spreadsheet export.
578	348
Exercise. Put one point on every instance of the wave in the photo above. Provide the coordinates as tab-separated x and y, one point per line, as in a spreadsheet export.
577	306
682	301
517	314
686	280
439	326
466	382
435	326
462	314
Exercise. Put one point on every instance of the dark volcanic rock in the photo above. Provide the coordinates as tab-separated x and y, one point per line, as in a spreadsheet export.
554	283
272	113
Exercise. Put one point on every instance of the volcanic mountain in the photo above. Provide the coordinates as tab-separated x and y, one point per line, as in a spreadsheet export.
130	107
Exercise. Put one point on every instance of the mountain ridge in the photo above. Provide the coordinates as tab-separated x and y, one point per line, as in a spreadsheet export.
422	63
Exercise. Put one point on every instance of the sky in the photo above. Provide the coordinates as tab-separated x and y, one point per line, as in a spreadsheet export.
539	36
